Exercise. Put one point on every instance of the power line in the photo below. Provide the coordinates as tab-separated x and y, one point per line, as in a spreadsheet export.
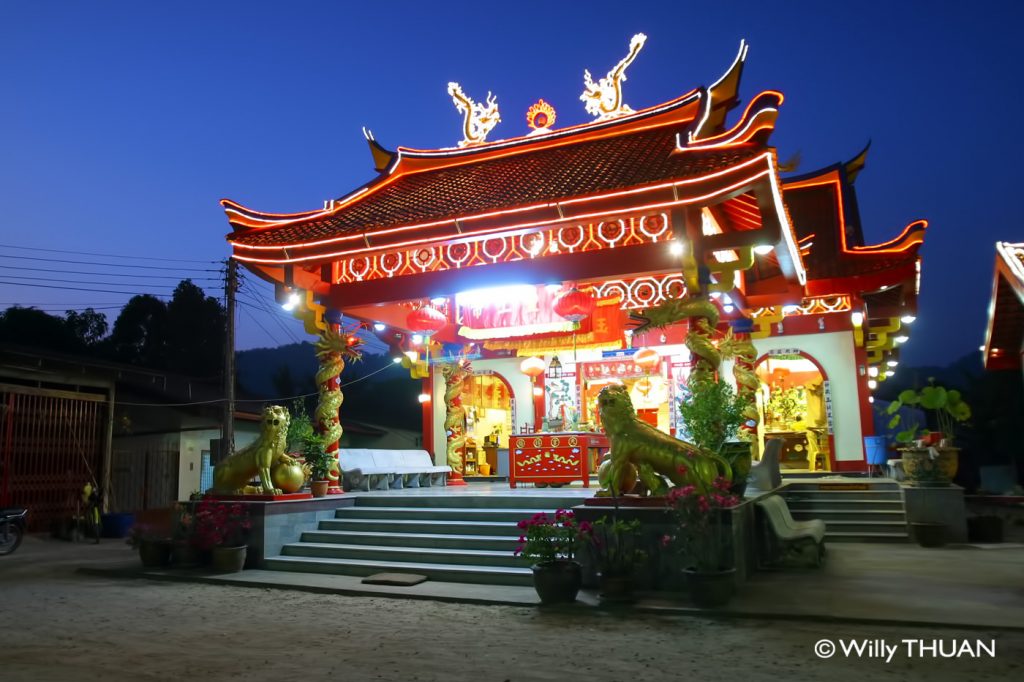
107	284
113	274
105	255
260	325
107	265
101	291
386	367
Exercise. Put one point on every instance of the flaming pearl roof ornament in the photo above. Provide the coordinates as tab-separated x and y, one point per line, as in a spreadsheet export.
478	119
603	99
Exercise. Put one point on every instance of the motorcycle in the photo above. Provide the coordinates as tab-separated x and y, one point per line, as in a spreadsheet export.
12	529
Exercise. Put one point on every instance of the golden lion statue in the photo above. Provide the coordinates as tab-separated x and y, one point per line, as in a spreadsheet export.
640	450
234	473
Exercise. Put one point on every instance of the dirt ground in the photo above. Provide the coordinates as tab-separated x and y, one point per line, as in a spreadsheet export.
62	625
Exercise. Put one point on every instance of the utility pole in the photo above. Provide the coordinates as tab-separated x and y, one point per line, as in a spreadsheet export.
228	429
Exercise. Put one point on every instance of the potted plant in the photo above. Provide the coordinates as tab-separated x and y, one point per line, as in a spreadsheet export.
550	543
712	413
319	462
929	457
184	553
152	543
702	538
223	528
616	548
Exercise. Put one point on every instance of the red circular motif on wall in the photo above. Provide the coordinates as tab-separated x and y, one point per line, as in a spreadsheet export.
390	261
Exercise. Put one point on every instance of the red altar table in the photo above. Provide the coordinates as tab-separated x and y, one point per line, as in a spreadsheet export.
554	458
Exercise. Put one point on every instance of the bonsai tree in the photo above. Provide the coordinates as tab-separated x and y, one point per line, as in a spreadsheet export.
945	406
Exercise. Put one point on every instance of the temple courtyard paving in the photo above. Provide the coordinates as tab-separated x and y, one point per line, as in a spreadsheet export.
62	624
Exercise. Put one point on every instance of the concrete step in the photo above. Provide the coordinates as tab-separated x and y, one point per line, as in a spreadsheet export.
835	502
855	486
503	543
468	501
488	575
422	526
439	513
866	537
860	526
829	515
419	554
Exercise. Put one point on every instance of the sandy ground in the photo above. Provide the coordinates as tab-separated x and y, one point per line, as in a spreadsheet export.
61	625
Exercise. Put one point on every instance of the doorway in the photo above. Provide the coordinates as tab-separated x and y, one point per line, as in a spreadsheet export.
792	402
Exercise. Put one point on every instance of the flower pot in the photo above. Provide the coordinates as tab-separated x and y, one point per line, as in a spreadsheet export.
987	529
319	488
229	559
710	589
557	582
930	534
185	555
616	589
155	553
930	466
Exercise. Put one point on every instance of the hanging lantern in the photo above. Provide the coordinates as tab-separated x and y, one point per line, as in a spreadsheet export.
647	359
554	369
574	305
532	367
426	320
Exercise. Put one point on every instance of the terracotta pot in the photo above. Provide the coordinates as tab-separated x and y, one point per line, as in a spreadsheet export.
557	582
710	589
929	534
155	553
185	555
616	589
920	468
229	559
319	488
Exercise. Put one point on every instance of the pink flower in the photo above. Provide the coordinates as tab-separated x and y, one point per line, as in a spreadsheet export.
666	540
682	469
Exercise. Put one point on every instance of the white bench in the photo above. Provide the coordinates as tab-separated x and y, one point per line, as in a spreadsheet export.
368	469
791	534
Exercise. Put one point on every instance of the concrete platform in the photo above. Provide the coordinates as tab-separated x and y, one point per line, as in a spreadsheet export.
958	587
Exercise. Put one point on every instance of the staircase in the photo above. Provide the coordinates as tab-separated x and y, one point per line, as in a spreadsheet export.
464	538
858	510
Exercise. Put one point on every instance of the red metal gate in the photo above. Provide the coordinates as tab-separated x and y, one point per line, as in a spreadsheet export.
52	446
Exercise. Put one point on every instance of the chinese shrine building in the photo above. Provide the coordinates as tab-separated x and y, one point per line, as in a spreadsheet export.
558	247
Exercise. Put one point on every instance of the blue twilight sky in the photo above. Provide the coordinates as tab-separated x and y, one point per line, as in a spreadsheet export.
123	123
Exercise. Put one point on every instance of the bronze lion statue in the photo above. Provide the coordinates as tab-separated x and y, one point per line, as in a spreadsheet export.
640	450
232	474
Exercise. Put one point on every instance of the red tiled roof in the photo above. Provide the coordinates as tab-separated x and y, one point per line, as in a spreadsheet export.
527	177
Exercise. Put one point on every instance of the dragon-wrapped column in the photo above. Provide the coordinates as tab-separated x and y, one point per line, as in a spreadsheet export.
455	417
331	350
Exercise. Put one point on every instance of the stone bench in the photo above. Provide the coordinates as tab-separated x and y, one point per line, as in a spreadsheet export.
790	534
369	469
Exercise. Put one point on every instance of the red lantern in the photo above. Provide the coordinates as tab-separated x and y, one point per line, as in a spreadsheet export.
426	320
532	367
574	305
647	359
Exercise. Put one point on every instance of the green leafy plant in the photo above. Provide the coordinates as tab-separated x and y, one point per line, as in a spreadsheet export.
300	427
699	533
615	545
317	458
712	413
546	539
946	407
785	404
